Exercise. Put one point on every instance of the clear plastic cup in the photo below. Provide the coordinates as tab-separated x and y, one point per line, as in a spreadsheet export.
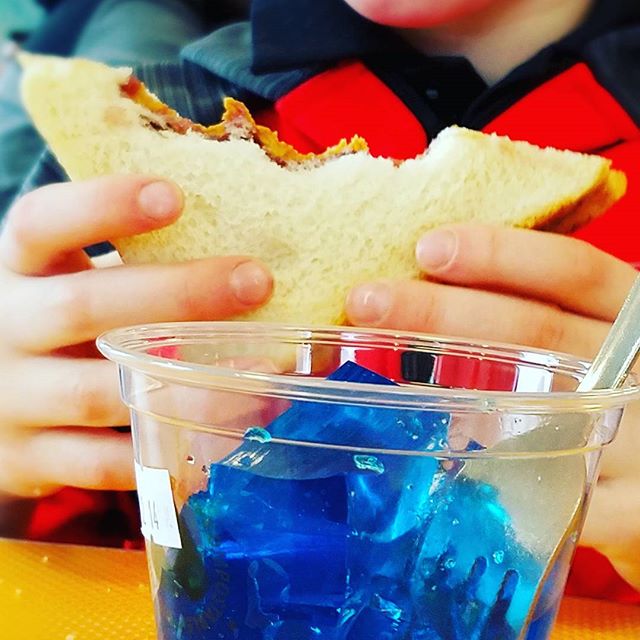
289	493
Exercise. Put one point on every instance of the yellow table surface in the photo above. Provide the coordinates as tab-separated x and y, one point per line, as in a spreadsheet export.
58	592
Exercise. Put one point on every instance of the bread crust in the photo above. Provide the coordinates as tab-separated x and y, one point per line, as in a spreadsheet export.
601	197
238	122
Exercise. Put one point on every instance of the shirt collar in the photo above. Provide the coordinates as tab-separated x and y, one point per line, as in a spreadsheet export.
325	31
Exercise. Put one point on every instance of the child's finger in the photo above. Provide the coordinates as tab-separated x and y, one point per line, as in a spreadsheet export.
415	305
35	463
49	313
44	391
613	525
48	225
533	264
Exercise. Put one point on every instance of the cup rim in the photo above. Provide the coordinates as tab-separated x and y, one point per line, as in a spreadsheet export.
124	345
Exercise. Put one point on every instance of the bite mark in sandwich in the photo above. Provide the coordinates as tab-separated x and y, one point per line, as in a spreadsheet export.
237	122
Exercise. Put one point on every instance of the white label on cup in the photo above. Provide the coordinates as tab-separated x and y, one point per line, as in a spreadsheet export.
157	510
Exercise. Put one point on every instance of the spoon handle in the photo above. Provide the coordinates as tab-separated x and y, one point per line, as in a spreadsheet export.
620	349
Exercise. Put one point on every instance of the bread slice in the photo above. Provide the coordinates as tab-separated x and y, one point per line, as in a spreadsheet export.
323	224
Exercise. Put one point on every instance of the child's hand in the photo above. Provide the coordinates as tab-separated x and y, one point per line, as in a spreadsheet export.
531	288
55	389
511	285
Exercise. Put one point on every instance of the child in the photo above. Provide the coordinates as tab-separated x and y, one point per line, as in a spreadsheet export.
551	72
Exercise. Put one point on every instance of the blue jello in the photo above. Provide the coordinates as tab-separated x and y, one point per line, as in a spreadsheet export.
300	542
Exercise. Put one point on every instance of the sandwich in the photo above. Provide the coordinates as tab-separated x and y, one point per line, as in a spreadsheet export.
322	223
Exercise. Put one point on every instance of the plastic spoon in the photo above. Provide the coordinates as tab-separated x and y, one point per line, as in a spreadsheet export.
620	349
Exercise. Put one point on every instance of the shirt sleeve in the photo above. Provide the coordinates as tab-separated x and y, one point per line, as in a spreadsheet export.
139	31
20	145
128	32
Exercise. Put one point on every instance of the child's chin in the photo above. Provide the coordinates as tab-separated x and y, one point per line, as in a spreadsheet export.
415	13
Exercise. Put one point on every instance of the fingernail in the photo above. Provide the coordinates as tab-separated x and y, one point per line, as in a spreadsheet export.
369	303
436	249
160	200
251	283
